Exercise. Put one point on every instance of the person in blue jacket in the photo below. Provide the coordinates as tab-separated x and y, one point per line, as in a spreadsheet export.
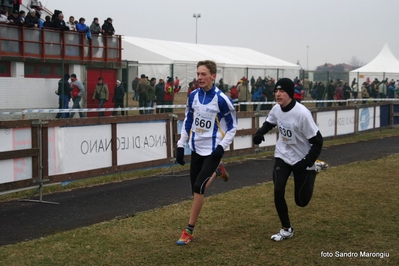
257	96
82	27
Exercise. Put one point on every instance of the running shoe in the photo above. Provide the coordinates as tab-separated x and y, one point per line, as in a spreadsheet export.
185	238
222	173
321	165
283	234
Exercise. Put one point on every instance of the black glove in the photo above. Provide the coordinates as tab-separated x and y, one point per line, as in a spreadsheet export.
301	165
180	156
218	152
258	138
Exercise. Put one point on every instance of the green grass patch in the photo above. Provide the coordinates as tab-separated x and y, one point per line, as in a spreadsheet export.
354	209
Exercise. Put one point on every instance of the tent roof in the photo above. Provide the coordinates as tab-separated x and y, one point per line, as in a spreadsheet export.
385	62
151	51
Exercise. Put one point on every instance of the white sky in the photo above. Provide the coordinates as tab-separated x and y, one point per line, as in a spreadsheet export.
334	30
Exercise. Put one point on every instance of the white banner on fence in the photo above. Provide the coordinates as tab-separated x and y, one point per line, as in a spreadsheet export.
326	123
345	122
141	142
15	169
366	119
74	149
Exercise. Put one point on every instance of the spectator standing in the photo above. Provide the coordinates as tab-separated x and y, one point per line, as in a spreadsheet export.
243	93
257	96
95	27
160	95
355	88
330	92
142	90
221	85
22	14
191	88
382	88
151	95
71	23
135	82
15	18
107	27
78	90
101	94
82	27
169	94
59	23
4	16
306	86
47	23
298	91
339	94
314	91
64	94
253	86
31	20
365	92
268	91
234	96
391	89
176	83
347	92
321	91
119	95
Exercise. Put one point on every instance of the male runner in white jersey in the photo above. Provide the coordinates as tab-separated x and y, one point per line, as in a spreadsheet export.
297	148
209	127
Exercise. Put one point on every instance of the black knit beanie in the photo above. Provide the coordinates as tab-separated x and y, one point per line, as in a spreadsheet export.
287	85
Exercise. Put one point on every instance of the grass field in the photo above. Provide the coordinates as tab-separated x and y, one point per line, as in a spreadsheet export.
353	212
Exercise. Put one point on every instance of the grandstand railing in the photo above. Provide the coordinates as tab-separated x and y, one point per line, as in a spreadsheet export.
45	44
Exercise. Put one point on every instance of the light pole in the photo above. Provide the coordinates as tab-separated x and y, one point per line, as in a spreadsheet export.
307	58
196	16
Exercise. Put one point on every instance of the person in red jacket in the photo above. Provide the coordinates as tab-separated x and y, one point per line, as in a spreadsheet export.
170	92
298	91
234	96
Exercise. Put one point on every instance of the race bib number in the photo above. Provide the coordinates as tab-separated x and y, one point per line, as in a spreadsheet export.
204	123
286	133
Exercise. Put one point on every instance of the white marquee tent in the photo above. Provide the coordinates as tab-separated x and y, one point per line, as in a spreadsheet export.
159	59
385	65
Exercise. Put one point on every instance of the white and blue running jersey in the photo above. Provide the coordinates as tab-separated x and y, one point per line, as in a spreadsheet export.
210	121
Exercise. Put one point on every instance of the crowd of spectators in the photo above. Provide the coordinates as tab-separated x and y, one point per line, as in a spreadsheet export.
148	92
10	13
342	90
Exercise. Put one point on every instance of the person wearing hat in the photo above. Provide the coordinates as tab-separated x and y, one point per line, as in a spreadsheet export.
15	18
298	146
107	27
31	19
243	93
119	94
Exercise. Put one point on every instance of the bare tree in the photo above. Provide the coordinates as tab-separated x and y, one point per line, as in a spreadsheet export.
355	62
